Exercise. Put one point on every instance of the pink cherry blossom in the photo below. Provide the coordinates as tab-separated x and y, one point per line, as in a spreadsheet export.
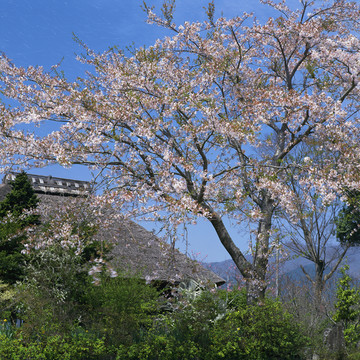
200	124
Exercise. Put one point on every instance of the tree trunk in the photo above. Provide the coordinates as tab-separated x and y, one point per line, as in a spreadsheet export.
319	284
244	266
257	289
254	274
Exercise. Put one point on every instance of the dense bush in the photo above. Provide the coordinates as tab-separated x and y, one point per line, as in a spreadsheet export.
66	316
347	313
121	309
52	296
54	348
122	319
255	332
221	326
87	323
183	333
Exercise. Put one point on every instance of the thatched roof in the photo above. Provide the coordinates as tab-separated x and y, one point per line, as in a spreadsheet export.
4	189
136	251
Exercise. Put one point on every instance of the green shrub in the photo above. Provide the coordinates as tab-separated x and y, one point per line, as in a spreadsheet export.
256	332
52	297
182	333
54	348
121	318
7	329
354	356
161	347
348	308
121	309
220	326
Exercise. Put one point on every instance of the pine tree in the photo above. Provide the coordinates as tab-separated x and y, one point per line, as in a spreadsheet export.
21	197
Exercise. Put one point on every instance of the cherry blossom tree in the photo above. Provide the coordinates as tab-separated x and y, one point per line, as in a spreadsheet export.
72	227
176	131
310	230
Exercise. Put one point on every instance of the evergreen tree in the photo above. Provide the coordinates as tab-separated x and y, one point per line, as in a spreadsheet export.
21	197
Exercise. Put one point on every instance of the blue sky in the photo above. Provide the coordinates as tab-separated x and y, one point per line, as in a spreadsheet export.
40	32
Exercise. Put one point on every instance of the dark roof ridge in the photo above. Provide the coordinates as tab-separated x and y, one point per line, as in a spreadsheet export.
48	184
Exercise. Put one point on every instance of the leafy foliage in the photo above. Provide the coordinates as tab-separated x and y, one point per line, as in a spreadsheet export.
348	221
257	332
52	292
348	308
21	197
12	223
120	309
215	326
55	347
122	318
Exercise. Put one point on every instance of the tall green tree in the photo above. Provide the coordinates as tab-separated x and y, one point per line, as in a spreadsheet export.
13	222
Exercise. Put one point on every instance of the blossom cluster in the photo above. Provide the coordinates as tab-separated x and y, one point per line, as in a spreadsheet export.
204	123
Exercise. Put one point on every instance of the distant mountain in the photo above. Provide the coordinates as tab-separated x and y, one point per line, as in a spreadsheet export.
289	268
